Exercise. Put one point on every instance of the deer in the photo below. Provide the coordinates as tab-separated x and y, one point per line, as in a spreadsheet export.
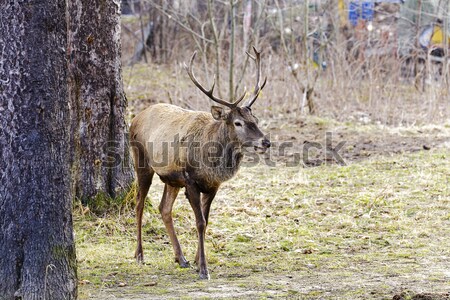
194	150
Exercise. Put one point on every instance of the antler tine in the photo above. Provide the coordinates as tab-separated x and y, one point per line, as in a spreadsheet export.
258	87
209	92
256	95
235	103
249	55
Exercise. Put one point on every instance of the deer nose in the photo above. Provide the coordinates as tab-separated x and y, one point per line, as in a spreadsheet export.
265	143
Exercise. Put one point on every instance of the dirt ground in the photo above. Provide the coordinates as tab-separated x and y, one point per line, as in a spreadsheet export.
359	141
311	286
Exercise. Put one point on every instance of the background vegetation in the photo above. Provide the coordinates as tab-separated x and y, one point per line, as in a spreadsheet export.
376	227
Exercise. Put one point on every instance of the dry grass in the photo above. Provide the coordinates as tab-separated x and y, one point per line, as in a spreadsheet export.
354	99
372	229
367	230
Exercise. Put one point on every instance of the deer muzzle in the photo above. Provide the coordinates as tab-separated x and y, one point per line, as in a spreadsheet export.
261	145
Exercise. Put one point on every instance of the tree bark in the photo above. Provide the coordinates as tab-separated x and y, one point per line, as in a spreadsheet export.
37	247
101	161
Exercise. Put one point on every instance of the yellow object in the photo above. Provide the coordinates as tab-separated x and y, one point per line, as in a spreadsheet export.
438	36
342	12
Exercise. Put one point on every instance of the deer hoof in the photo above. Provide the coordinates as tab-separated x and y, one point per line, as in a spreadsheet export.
139	257
139	253
204	275
183	263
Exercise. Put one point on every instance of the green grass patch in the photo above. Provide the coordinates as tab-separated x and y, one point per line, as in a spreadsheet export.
358	231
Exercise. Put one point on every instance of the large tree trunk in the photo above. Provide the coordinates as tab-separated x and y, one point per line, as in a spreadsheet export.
37	250
101	161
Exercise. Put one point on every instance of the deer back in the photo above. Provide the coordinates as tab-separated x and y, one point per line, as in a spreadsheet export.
175	140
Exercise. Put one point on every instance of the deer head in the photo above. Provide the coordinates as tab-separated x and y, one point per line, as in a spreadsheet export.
241	123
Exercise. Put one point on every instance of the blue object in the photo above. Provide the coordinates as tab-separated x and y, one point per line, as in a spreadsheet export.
360	10
353	12
367	10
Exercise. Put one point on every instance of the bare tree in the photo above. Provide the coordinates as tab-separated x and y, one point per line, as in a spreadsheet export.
36	240
307	85
101	163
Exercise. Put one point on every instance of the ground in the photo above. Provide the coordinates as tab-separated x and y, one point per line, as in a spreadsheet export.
376	226
304	223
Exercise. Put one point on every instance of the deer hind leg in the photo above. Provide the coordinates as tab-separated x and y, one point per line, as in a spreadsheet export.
144	180
193	195
165	208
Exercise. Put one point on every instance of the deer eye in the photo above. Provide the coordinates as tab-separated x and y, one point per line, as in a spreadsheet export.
237	124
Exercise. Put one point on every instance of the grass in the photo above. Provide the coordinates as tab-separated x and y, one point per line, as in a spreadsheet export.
375	228
366	230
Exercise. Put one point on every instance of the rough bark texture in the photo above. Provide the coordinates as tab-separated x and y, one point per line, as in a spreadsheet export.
37	247
101	164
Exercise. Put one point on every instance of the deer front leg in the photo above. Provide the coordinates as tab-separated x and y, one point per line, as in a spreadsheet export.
207	199
193	195
165	208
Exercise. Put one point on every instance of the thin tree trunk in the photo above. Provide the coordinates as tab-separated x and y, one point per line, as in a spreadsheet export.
305	55
232	37
144	38
216	46
246	24
101	162
418	79
37	247
143	44
445	11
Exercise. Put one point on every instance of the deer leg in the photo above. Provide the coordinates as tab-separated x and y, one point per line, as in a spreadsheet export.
144	176
165	208
193	195
144	180
207	199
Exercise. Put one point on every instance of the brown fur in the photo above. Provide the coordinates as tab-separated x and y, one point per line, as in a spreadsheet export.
194	150
168	140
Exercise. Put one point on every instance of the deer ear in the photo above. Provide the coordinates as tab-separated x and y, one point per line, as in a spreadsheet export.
218	112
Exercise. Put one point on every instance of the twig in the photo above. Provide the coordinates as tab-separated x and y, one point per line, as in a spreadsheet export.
170	17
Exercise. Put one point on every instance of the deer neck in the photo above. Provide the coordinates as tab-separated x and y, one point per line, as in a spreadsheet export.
220	156
218	132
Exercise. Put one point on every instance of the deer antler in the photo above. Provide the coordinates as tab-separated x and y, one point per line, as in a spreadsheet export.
258	86
209	92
